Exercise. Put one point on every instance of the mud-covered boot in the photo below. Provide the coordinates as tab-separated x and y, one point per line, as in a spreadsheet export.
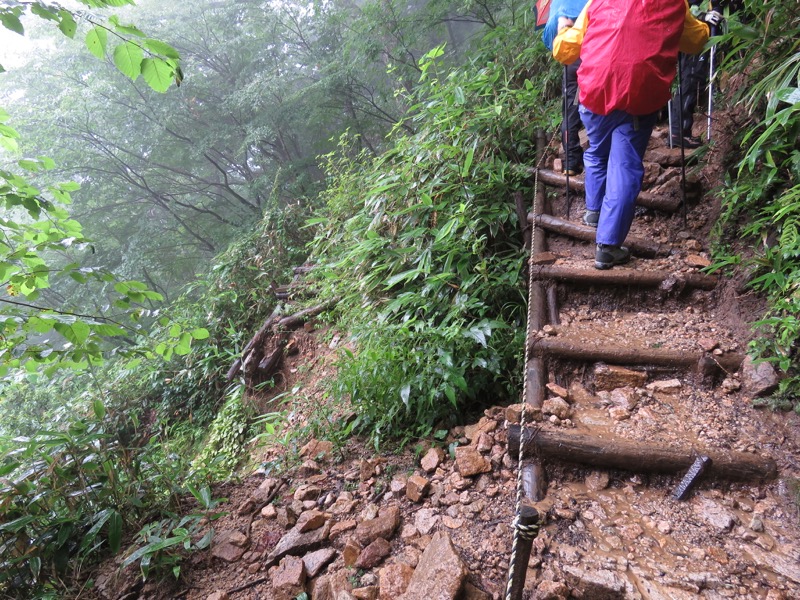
607	256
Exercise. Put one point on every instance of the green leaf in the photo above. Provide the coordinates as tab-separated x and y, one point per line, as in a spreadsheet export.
199	333
115	531
96	41
157	73
44	12
12	22
128	59
162	48
68	26
99	408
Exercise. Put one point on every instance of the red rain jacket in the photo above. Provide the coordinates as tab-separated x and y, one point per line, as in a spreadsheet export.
629	51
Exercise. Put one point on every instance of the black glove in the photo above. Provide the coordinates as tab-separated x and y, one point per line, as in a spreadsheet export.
713	18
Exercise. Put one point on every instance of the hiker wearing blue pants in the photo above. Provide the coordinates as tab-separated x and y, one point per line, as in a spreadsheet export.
614	169
628	51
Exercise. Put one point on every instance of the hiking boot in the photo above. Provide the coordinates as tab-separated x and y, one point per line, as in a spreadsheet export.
607	256
572	171
591	217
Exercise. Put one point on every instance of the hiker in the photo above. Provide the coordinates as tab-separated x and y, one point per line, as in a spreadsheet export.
563	14
694	75
628	51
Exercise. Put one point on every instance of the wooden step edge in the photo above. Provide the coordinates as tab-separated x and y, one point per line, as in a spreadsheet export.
625	277
638	246
668	204
575	447
630	355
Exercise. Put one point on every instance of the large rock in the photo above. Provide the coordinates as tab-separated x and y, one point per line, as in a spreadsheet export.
610	377
394	580
440	573
230	545
289	579
382	526
597	584
295	542
372	555
432	459
314	562
470	462
759	379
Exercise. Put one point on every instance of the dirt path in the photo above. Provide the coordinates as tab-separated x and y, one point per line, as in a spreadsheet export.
378	526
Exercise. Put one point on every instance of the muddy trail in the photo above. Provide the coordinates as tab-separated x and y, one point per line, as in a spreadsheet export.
634	376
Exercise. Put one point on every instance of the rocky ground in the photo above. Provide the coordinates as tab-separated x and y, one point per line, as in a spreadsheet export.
435	521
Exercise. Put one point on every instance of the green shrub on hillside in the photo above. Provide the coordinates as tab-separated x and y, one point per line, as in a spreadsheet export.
423	246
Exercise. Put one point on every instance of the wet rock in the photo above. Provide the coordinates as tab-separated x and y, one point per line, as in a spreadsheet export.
440	572
697	260
416	488
557	390
310	520
286	517
350	553
339	528
314	562
597	584
425	520
470	592
288	580
760	379
580	395
619	413
316	449
484	443
218	596
365	593
730	385
432	459
372	555
394	580
383	525
556	406
470	462
307	492
551	590
514	413
715	515
485	425
344	504
597	480
320	589
269	512
610	377
340	585
230	545
398	484
296	543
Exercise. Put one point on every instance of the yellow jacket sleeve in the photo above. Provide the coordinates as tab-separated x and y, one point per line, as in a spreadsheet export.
567	44
695	34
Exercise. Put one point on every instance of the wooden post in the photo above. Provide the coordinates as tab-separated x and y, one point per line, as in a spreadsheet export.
527	525
642	457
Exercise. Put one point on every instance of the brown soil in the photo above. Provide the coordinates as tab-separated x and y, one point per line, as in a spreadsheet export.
606	533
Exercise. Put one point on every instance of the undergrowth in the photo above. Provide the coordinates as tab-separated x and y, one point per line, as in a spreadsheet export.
761	197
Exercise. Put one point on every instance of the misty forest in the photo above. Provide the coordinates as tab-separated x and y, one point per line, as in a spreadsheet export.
169	169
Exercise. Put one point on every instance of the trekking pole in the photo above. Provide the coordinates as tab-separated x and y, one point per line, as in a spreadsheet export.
669	120
565	133
683	149
711	54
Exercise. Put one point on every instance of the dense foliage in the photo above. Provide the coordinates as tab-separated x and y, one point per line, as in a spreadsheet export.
761	198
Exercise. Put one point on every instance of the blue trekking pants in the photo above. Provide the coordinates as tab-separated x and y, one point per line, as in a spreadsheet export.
614	169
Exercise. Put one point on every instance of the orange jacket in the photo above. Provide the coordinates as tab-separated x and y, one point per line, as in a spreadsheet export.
629	51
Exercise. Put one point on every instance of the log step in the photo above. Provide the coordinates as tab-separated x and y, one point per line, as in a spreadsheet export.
627	355
642	457
637	246
625	277
648	200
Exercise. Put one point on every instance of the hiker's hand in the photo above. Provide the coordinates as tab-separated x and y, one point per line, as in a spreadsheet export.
713	17
564	22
